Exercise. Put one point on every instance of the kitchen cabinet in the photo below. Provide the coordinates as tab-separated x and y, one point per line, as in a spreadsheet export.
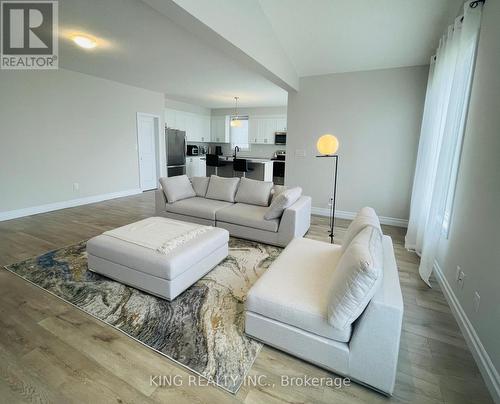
253	129
261	169
196	126
196	166
170	121
261	129
219	129
281	124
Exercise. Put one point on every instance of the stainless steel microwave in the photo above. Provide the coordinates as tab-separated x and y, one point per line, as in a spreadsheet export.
279	137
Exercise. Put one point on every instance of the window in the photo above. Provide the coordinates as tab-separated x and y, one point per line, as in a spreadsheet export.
239	134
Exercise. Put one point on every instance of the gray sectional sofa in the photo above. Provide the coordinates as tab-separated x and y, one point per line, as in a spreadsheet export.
237	205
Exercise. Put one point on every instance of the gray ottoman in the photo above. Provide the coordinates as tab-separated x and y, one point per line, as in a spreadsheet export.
163	274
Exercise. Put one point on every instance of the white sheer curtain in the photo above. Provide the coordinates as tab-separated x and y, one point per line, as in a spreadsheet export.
443	124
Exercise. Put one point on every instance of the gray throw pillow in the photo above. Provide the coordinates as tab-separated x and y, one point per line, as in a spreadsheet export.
283	201
278	189
222	189
200	185
254	192
177	188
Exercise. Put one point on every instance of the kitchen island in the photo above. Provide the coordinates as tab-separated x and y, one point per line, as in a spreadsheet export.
260	168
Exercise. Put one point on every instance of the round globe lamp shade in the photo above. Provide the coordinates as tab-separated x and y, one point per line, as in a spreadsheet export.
327	145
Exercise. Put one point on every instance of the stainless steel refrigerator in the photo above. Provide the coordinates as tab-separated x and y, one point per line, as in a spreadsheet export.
175	141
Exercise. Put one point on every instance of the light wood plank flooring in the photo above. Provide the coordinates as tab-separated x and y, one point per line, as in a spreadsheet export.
52	352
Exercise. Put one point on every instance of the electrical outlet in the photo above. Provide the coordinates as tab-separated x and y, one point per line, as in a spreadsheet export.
457	275
461	279
76	186
300	153
477	300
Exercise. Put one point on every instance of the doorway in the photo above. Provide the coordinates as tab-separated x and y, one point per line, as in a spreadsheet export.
148	127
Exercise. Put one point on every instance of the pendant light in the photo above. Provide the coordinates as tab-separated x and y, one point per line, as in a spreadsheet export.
235	122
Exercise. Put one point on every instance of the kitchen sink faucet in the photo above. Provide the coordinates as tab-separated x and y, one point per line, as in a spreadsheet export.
236	149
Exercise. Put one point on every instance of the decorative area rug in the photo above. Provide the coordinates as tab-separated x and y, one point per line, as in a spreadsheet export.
202	329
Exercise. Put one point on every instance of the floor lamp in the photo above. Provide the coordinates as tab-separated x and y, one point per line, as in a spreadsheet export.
327	146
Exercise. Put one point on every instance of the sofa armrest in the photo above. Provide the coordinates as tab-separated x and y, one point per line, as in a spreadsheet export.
374	344
160	201
295	221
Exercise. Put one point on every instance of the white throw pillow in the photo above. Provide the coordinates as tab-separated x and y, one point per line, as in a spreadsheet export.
200	185
253	192
283	201
177	188
365	217
222	189
356	278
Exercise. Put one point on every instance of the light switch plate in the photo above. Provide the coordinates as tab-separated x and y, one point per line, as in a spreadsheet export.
300	153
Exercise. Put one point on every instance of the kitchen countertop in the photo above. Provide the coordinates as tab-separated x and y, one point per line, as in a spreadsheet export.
258	160
255	160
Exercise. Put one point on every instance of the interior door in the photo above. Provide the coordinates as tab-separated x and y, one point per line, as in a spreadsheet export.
146	141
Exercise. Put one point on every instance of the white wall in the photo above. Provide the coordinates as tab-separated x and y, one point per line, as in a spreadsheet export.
376	116
60	127
474	238
251	111
238	18
186	107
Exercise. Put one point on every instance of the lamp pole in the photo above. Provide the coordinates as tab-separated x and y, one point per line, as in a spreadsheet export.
334	199
328	145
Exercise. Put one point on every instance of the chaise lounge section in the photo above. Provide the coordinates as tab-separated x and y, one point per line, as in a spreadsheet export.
312	285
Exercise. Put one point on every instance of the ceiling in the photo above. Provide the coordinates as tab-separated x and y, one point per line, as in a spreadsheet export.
331	36
141	47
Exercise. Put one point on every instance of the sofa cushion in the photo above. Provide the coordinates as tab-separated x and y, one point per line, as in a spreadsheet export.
200	185
248	216
356	278
253	192
293	290
365	217
197	207
222	189
177	188
284	200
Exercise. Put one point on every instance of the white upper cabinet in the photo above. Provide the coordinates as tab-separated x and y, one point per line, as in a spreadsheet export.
170	118
253	129
261	129
281	124
219	132
196	126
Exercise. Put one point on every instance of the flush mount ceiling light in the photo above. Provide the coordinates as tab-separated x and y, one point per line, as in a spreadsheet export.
235	122
84	41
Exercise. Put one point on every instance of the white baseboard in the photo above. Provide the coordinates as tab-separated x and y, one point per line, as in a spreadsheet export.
483	360
342	214
33	210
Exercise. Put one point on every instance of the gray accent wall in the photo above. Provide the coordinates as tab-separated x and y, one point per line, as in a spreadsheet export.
376	116
474	238
60	127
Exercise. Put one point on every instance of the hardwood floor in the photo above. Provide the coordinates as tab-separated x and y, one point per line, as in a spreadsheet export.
52	352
